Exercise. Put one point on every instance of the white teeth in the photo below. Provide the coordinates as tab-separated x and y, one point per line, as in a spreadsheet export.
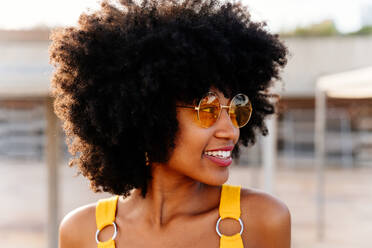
222	154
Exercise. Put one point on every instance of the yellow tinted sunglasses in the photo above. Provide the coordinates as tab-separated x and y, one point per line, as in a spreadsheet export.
209	110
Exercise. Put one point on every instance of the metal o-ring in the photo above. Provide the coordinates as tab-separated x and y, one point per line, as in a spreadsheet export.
113	236
218	230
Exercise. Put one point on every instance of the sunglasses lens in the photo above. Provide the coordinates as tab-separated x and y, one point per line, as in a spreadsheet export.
209	110
240	110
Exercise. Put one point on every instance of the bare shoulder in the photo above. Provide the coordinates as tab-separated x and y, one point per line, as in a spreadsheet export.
78	227
266	218
267	206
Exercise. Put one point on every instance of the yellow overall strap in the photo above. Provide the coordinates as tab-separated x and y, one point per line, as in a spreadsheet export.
230	208
105	215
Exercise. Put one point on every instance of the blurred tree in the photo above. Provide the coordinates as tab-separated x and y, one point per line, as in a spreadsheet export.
365	30
324	28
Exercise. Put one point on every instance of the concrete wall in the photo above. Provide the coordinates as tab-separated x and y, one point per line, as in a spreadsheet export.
314	57
24	67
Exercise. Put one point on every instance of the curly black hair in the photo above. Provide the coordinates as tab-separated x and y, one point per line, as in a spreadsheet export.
121	71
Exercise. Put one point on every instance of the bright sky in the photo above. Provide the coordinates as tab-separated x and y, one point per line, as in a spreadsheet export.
279	14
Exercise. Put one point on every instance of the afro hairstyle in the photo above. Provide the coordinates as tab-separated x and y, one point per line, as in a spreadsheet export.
120	72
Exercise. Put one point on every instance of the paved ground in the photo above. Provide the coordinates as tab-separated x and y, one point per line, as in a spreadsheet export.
348	203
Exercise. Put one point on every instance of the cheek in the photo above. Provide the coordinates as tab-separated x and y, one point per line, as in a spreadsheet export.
187	157
237	136
192	142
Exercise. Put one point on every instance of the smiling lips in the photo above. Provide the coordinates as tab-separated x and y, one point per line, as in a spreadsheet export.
221	156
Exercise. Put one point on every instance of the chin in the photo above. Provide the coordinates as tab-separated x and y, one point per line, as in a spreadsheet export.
217	179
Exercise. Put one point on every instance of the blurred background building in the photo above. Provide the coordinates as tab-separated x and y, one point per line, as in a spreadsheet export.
316	49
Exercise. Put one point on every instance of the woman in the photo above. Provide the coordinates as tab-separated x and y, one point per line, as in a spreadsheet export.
156	98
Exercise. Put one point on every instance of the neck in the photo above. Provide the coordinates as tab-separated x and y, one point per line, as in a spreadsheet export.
170	195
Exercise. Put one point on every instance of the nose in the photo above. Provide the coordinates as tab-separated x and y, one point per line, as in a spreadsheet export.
225	128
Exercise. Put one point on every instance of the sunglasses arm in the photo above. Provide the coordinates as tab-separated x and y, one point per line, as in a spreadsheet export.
190	107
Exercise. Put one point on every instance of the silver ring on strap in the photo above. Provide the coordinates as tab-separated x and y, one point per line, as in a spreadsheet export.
218	229
113	236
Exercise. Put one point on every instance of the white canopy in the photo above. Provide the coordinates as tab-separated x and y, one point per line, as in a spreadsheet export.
350	84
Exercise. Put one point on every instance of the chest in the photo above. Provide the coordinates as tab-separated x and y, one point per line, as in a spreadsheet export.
199	232
196	237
